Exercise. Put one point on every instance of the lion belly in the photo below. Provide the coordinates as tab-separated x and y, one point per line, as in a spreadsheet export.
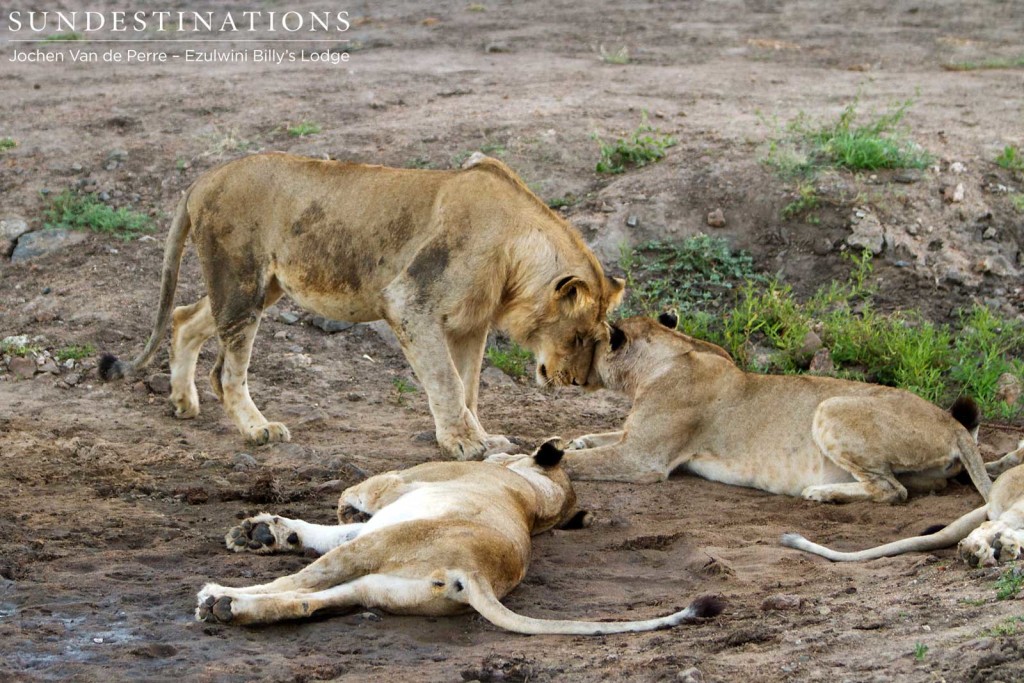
786	473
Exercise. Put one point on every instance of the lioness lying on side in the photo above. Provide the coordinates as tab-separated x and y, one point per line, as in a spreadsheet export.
442	256
439	538
824	439
988	535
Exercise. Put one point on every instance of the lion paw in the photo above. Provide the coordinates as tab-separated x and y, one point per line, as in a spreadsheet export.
213	609
263	534
579	444
271	432
990	544
186	404
352	515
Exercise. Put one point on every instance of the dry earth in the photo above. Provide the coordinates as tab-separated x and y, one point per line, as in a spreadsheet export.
112	512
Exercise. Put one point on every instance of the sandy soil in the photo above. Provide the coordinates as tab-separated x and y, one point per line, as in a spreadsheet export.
112	512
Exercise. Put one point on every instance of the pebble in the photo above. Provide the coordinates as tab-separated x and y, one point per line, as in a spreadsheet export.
22	368
811	343
354	396
49	366
990	233
716	219
494	377
243	462
1008	389
953	194
867	234
12	227
369	616
288	318
632	221
957	168
691	675
35	244
329	326
907	176
159	383
781	601
72	379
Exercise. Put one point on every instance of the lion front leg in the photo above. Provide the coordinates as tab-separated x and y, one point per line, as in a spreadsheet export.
618	462
595	440
267	534
992	543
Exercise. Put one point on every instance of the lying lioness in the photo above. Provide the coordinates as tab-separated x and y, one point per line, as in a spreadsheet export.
442	256
824	439
987	536
437	538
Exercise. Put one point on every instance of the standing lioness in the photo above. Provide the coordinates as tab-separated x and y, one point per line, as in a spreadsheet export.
442	256
821	438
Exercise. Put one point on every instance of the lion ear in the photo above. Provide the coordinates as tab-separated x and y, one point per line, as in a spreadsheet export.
617	338
572	290
616	288
549	454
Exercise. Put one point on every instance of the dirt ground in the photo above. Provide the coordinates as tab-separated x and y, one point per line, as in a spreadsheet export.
112	513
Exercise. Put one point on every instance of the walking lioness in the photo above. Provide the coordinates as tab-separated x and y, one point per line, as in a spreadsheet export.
442	256
824	439
438	538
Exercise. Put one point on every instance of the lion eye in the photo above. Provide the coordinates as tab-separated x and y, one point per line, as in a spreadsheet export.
579	339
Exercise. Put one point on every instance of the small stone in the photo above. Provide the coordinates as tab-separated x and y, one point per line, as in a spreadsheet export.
496	47
1008	389
907	176
957	168
159	383
35	244
119	154
811	343
953	194
354	396
49	366
822	246
716	219
243	462
12	227
912	229
781	601
691	675
332	486
990	233
632	221
867	234
281	334
425	437
330	326
494	377
824	611
22	368
288	318
72	379
369	616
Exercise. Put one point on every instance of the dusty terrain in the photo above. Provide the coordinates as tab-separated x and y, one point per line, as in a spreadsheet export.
112	512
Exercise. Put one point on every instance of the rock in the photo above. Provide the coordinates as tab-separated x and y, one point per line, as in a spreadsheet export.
493	377
281	334
691	675
907	176
957	168
12	227
35	244
369	616
781	601
953	194
496	46
867	234
996	264
990	233
716	219
822	246
72	379
811	344
118	154
329	326
632	221
22	368
1008	389
425	437
50	366
288	318
243	462
354	396
332	486
383	331
159	383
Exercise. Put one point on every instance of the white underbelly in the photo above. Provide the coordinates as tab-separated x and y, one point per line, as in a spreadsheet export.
774	473
426	503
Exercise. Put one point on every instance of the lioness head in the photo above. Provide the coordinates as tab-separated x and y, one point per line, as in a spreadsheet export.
636	348
555	496
571	323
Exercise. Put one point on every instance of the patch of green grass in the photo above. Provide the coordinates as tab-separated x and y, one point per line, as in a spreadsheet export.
693	275
559	202
719	298
477	7
991	63
72	211
877	143
973	603
512	359
1009	583
7	143
403	388
643	146
1011	626
74	352
1017	201
920	650
304	128
806	200
60	37
1011	159
420	162
620	56
17	346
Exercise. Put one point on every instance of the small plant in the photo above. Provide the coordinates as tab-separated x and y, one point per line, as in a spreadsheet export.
304	128
870	146
477	7
17	346
7	143
1009	627
643	146
72	211
1018	201
419	162
620	56
74	352
559	202
1009	583
59	37
1011	159
920	650
992	63
402	388
511	360
806	200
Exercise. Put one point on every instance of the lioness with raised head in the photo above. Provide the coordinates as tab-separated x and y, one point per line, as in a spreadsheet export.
442	256
437	539
988	535
821	438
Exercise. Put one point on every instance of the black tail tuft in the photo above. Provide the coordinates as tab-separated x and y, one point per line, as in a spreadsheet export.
707	606
581	520
110	367
933	529
549	454
966	412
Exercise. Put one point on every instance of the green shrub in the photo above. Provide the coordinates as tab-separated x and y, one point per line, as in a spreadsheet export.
72	211
643	146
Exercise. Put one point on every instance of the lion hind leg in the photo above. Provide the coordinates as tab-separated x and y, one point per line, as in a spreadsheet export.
191	327
265	534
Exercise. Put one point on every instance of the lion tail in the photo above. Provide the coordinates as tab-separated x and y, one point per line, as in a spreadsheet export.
110	367
479	594
944	538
